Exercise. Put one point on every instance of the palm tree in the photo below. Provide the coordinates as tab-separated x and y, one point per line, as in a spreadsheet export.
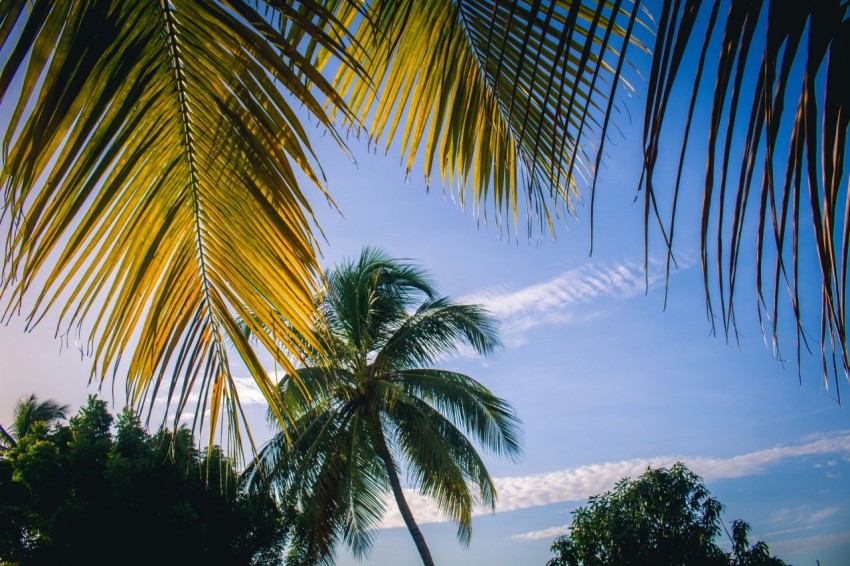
376	406
150	152
27	412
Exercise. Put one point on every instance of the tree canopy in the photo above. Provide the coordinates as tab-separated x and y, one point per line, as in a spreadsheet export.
666	516
144	498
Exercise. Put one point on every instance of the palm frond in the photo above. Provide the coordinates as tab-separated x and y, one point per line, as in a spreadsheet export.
365	296
362	408
467	404
442	462
501	97
793	116
364	486
437	328
29	410
150	191
311	389
328	468
7	441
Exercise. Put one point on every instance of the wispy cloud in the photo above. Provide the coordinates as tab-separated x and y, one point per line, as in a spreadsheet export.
577	484
548	534
579	285
809	544
550	302
248	391
800	518
818	516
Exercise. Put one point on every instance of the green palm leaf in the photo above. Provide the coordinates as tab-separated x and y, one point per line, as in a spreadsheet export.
150	188
466	404
442	462
436	329
29	410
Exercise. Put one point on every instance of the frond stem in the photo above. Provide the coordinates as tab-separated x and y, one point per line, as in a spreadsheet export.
177	66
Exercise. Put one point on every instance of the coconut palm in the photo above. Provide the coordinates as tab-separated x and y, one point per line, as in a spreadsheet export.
376	406
151	148
27	412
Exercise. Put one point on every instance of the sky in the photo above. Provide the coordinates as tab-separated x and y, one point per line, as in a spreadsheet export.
606	380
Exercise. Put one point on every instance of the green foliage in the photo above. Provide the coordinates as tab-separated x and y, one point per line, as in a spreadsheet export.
663	517
92	422
377	405
62	487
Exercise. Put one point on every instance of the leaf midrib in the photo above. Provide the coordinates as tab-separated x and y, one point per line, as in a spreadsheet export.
175	62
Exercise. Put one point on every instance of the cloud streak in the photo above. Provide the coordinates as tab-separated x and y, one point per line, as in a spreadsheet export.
548	534
577	484
549	303
810	543
246	387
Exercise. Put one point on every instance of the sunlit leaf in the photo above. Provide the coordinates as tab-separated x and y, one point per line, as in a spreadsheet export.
150	187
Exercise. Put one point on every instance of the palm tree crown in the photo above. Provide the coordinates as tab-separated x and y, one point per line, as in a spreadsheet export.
27	412
375	406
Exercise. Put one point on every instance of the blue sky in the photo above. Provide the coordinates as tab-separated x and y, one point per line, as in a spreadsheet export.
605	380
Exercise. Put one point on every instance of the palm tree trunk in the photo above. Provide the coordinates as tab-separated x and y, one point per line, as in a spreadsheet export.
406	514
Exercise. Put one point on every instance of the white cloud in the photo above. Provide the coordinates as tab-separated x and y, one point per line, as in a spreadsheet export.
574	286
548	303
548	534
249	392
823	514
577	484
246	387
782	515
801	517
809	544
756	462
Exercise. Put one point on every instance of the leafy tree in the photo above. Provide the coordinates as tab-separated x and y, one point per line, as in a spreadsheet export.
62	487
376	406
663	517
146	140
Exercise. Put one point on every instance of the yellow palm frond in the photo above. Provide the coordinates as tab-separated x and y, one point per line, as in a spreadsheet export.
150	188
501	97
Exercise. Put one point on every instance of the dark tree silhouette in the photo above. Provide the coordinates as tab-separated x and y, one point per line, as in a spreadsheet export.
144	498
663	517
